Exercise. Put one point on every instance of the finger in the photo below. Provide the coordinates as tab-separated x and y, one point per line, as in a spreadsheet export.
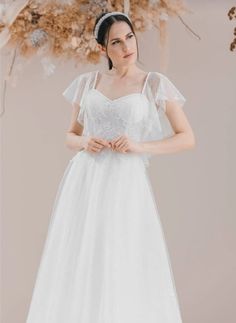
103	142
99	143
121	143
95	145
117	139
126	148
97	139
112	144
123	148
118	142
108	144
93	149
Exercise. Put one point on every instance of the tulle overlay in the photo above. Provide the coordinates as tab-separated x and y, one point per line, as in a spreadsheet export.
105	258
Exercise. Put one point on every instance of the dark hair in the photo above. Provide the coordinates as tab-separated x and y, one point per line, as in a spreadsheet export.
105	27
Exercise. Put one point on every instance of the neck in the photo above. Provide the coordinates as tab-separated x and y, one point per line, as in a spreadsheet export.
122	71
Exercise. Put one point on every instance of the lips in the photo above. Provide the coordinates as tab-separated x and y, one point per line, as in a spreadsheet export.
128	55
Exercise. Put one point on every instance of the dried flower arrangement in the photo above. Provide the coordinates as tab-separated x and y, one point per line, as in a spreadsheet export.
231	15
64	28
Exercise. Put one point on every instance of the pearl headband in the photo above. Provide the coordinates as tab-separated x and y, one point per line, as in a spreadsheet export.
106	16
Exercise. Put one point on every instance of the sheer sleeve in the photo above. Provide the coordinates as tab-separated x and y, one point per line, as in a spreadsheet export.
167	91
159	90
75	93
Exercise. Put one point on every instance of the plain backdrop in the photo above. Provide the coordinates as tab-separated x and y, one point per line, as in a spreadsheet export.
195	190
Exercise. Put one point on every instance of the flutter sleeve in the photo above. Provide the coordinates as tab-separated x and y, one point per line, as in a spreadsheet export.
75	93
159	90
167	91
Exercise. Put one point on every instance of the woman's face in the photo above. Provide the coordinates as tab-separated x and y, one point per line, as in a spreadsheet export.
121	42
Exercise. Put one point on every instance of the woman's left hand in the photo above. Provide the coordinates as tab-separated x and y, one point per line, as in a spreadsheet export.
124	144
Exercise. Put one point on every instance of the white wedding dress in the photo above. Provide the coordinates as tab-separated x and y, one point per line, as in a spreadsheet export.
105	259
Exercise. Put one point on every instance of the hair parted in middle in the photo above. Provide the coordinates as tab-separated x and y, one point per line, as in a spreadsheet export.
104	29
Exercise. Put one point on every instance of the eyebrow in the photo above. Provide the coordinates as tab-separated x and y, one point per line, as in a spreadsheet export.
119	38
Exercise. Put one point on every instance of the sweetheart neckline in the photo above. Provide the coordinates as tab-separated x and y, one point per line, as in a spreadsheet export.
123	96
120	97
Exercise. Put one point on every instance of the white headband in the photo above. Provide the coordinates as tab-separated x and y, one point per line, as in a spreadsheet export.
106	16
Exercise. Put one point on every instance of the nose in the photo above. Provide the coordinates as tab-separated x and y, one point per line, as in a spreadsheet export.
125	47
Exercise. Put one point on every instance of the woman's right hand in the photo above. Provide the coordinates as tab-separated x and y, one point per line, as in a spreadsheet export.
94	144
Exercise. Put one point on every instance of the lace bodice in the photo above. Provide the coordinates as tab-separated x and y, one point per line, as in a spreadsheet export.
110	118
141	116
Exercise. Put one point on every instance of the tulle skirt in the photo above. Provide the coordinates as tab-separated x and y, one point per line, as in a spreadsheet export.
104	259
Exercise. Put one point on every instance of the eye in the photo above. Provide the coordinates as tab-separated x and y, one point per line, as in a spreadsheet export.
115	42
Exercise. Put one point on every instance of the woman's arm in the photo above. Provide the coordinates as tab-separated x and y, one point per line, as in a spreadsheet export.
74	138
76	141
182	139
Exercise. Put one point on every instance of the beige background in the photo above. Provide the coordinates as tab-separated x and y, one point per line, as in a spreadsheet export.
195	190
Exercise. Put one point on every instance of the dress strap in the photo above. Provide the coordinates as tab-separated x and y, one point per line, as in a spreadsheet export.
145	82
95	79
96	73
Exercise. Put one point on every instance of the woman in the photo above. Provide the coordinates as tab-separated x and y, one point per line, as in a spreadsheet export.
105	259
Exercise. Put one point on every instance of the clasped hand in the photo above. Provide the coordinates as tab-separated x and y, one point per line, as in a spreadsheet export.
121	144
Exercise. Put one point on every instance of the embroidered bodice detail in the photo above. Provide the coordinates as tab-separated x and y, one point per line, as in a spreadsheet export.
139	115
